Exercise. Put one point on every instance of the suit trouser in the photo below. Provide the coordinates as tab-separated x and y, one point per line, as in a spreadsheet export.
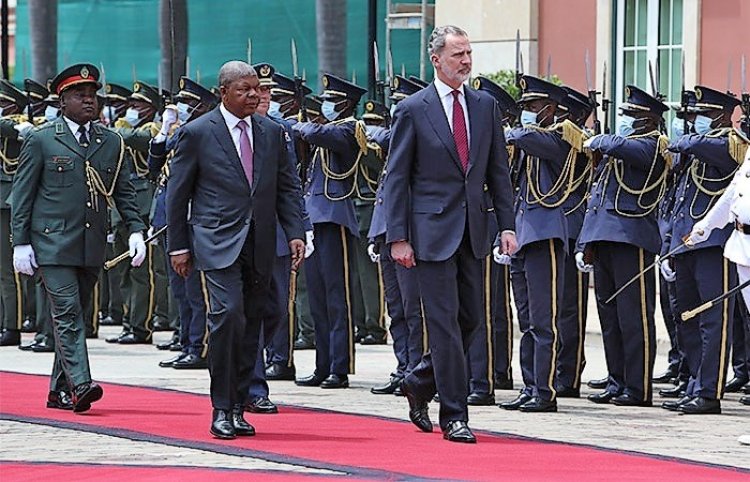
237	295
480	355
280	345
368	301
329	286
540	275
703	275
740	340
69	290
404	308
305	329
10	286
137	285
571	359
451	293
628	329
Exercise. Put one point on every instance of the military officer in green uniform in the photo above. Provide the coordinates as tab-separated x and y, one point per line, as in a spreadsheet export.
69	171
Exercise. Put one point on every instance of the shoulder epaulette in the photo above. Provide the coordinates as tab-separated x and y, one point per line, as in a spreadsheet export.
152	127
122	124
738	145
572	134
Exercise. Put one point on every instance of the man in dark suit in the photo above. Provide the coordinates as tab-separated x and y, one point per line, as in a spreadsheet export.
448	176
231	168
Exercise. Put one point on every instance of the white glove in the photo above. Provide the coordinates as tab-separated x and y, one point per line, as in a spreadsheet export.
111	238
581	264
499	257
701	232
587	143
666	270
149	233
374	257
309	246
137	249
23	128
168	120
24	260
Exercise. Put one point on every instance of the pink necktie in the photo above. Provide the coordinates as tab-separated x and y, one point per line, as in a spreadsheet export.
246	152
459	131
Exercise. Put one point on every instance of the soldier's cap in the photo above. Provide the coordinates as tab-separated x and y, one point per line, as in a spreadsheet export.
533	88
215	91
265	73
10	93
374	110
117	92
146	93
52	97
313	105
691	108
78	74
336	87
637	100
505	101
285	86
418	81
577	103
402	88
192	90
37	92
707	98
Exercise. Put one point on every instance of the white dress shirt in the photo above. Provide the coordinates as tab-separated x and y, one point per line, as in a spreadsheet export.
231	120
445	93
73	126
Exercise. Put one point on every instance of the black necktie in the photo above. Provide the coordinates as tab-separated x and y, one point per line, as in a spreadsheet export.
83	139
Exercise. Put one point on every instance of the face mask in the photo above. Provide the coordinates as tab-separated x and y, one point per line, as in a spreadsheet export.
328	109
183	112
132	116
528	118
678	128
274	109
703	124
51	113
625	125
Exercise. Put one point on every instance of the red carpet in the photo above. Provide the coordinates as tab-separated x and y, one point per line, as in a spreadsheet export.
362	446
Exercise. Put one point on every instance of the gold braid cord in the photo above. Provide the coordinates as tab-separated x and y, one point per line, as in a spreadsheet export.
360	135
10	165
96	184
738	145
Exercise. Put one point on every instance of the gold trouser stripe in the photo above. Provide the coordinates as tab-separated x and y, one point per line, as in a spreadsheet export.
95	308
151	289
425	335
724	326
19	300
644	321
206	300
347	292
581	320
553	319
508	318
381	298
291	316
488	323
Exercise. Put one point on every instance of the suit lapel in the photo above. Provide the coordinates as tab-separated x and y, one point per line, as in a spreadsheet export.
67	138
472	107
222	135
439	122
259	149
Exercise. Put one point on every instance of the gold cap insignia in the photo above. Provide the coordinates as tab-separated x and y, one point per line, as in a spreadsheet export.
85	72
136	87
369	107
108	89
396	82
265	70
182	84
522	83
698	93
627	92
325	81
477	84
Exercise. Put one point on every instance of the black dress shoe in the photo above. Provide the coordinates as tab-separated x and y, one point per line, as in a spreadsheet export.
627	400
480	399
191	362
10	338
598	384
676	405
418	410
674	392
222	426
241	427
167	344
375	340
109	321
503	383
85	394
133	339
170	361
735	384
261	405
458	431
160	324
35	342
568	392
536	405
745	400
746	389
389	388
436	398
313	380
60	400
398	392
516	403
91	335
304	344
175	347
666	377
278	371
701	406
335	381
116	338
28	326
43	346
603	397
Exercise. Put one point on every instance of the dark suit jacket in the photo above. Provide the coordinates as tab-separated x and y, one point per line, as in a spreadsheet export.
430	199
207	174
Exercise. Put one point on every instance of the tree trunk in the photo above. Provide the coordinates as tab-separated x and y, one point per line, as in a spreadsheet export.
173	40
43	27
330	20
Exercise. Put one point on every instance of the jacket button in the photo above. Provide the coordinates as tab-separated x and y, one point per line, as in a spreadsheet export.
88	204
59	168
46	230
247	221
88	225
380	200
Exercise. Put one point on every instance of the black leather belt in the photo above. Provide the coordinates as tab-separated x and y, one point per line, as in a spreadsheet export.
743	228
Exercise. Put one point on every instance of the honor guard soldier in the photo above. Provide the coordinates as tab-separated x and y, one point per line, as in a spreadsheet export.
490	353
538	270
620	230
137	127
709	159
399	283
328	200
193	100
69	171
